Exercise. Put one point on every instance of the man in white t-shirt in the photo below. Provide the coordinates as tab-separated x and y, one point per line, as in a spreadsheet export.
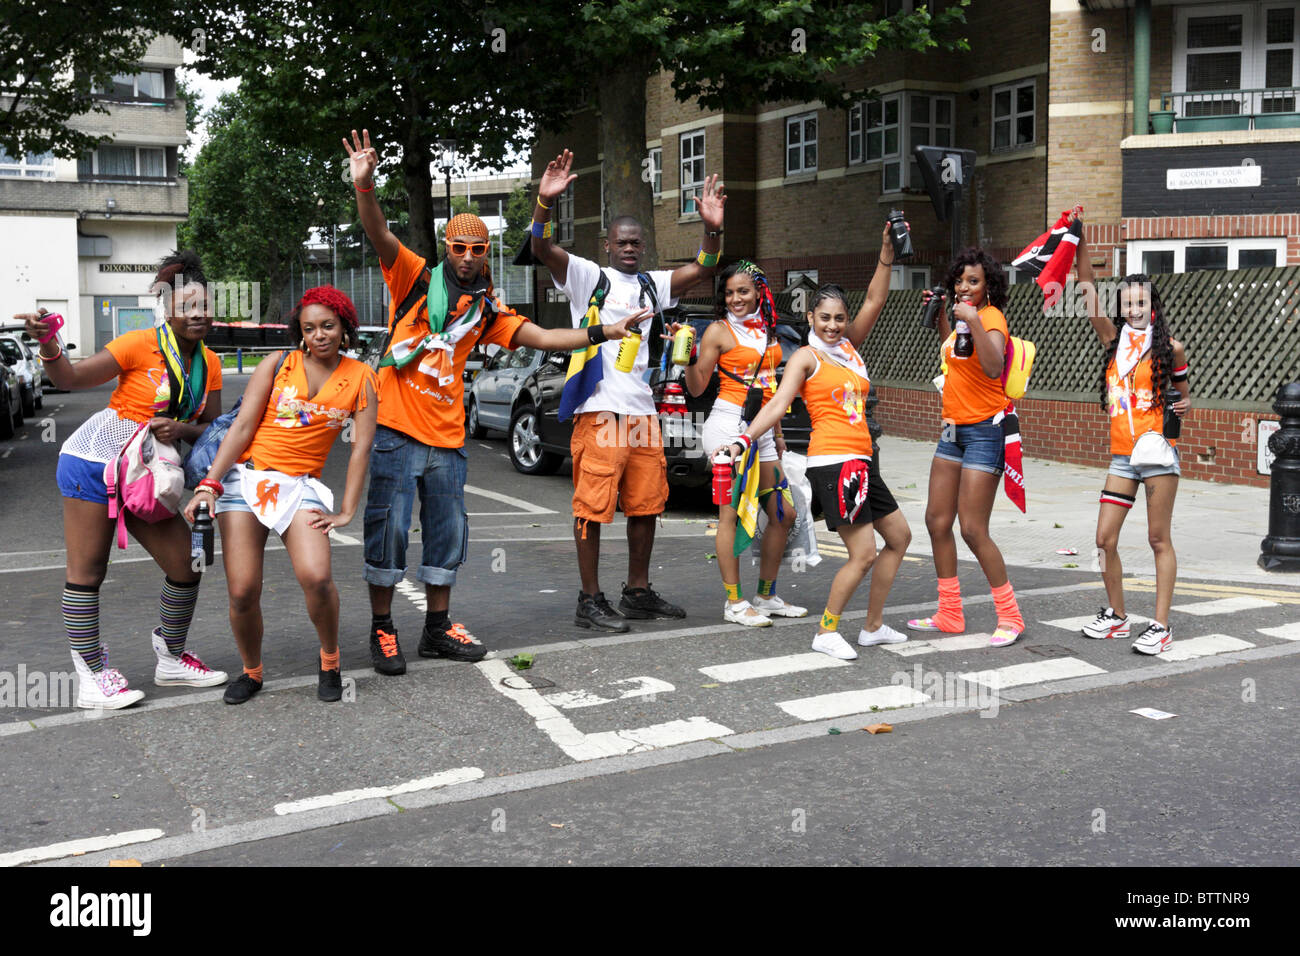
618	457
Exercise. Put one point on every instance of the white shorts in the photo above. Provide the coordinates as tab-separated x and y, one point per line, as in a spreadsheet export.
723	424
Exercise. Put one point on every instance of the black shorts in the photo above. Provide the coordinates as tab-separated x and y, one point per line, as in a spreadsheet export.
826	487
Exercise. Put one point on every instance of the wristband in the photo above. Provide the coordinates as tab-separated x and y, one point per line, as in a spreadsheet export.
596	334
695	353
51	358
542	204
743	439
212	485
708	259
360	190
542	230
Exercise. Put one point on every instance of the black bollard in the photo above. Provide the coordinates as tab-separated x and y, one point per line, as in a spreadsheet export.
1281	549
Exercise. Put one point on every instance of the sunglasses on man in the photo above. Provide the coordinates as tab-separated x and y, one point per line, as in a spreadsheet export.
460	248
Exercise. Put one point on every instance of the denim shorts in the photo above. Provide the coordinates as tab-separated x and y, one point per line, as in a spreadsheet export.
980	446
400	469
81	479
1120	467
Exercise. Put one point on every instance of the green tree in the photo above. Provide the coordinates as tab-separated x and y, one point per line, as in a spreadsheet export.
519	216
254	201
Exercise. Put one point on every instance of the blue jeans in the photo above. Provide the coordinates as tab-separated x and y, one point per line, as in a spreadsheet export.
980	446
400	467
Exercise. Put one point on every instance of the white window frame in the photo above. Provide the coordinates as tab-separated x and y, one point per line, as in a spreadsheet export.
1254	45
25	168
94	159
906	277
657	171
862	111
932	125
135	85
1013	117
1179	247
800	122
689	187
564	215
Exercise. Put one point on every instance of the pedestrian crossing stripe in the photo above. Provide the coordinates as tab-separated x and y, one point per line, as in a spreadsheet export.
1197	587
1207	646
1225	605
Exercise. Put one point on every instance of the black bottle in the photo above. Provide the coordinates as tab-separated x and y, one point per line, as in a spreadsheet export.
1173	426
930	313
201	535
900	236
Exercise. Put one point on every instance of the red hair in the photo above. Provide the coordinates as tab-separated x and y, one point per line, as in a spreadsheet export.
334	300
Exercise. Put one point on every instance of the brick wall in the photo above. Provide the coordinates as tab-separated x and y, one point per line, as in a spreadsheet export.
1216	444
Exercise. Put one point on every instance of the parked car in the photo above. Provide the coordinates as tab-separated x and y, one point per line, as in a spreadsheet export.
19	331
490	394
27	365
539	441
11	400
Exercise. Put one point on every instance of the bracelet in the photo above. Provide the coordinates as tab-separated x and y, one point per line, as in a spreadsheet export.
360	190
212	485
542	230
708	259
596	334
542	204
51	358
887	265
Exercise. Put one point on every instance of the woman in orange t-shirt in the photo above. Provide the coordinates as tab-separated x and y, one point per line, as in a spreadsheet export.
1141	363
168	380
969	460
267	475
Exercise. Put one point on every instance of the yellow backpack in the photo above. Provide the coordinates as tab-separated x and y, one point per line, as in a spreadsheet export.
1016	365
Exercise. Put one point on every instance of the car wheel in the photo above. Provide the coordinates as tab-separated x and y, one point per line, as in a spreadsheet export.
526	452
472	425
29	403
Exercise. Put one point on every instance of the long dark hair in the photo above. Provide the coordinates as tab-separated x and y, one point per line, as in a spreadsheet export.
995	280
766	303
1162	350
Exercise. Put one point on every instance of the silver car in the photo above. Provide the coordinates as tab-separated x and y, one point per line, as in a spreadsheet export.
28	367
492	393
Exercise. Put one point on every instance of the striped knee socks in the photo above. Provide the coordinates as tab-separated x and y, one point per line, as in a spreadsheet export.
176	609
81	620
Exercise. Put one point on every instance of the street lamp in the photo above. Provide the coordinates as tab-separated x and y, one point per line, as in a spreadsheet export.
445	150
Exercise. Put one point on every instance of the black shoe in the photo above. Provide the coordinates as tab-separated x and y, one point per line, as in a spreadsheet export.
385	653
643	603
243	688
594	610
329	687
454	642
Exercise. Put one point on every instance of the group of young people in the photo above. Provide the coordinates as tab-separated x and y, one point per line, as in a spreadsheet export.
407	432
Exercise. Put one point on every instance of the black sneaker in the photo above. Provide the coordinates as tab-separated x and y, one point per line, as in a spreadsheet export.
644	603
455	642
385	653
594	610
243	688
329	687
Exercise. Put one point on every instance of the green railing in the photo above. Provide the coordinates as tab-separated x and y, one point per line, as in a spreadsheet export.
1205	110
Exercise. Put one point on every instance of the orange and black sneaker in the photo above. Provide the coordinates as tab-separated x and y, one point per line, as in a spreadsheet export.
453	642
385	654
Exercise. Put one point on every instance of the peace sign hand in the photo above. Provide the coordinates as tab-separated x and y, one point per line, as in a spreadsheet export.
362	159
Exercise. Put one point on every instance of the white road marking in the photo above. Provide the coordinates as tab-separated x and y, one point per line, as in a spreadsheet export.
414	593
659	735
1058	668
1224	606
447	777
960	642
526	506
639	687
7	453
770	667
1077	624
86	845
1203	647
848	702
1288	632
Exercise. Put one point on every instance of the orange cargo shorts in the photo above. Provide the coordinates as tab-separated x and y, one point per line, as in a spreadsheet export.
618	461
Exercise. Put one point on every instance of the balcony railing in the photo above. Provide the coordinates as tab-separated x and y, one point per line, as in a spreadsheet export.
1203	111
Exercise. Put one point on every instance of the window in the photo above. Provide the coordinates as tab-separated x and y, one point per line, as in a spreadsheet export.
888	128
692	153
1013	115
657	170
801	144
124	162
909	277
146	85
929	123
1169	256
28	166
1221	50
564	216
794	275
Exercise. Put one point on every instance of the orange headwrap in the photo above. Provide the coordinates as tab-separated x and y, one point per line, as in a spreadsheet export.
466	224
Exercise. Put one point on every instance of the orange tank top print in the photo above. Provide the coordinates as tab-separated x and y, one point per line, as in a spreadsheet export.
1132	407
744	360
836	399
970	396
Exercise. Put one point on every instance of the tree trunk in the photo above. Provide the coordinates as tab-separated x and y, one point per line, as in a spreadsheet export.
416	153
622	129
275	269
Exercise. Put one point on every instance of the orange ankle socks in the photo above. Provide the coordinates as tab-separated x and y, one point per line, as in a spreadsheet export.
949	617
1004	599
329	662
254	672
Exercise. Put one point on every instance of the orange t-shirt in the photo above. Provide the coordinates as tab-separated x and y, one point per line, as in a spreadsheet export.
296	433
743	360
836	400
412	401
970	396
1139	395
142	389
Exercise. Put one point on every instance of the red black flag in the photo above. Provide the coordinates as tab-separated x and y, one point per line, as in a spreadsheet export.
1049	257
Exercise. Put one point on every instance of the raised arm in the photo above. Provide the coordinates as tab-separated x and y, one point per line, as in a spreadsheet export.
363	160
554	182
709	203
877	292
1102	324
96	370
531	335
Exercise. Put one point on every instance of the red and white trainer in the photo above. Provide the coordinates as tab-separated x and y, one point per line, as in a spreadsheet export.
185	670
1107	624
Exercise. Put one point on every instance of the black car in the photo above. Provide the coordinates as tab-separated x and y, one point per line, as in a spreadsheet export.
11	401
539	441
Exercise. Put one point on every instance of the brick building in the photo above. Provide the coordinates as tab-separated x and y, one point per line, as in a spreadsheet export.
83	237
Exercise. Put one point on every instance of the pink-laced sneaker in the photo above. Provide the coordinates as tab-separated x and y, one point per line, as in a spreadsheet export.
185	670
105	689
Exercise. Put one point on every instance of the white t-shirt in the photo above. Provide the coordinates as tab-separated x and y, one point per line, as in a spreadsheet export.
626	393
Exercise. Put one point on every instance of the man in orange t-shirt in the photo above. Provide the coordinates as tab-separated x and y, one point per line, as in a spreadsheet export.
419	444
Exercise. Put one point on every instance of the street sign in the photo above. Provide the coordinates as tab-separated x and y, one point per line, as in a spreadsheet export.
1264	457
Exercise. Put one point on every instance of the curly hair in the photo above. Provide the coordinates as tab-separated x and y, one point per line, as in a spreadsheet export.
1162	350
995	279
332	299
766	302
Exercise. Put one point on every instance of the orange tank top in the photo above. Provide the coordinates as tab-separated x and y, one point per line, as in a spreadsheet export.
1132	406
743	361
836	400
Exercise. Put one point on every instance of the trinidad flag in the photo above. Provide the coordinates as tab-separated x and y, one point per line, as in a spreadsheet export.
1049	257
1013	474
585	365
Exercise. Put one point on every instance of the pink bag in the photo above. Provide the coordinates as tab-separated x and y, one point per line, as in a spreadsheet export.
145	479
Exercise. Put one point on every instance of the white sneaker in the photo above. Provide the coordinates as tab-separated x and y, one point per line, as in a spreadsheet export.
186	670
1155	639
885	635
1107	624
774	606
105	689
830	642
744	613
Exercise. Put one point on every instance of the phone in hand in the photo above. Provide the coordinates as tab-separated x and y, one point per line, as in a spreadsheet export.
55	322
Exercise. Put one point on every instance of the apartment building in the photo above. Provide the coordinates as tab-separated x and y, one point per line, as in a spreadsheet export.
83	237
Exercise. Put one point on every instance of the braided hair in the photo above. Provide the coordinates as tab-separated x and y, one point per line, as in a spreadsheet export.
1162	350
334	300
766	302
995	279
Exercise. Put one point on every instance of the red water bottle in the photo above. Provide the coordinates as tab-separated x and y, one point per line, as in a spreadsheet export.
722	479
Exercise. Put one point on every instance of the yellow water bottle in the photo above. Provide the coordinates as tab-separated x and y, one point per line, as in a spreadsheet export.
627	350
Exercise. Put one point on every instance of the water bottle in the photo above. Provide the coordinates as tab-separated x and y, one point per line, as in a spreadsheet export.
930	313
964	346
201	535
1173	426
900	236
